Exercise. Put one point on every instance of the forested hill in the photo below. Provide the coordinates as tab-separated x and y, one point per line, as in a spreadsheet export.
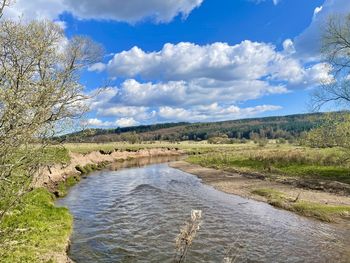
287	127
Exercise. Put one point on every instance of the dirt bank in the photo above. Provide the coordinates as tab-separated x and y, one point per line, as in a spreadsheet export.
238	184
50	176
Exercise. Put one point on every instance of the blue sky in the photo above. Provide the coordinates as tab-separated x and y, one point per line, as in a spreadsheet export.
195	60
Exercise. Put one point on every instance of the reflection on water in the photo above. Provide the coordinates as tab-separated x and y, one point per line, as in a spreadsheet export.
134	215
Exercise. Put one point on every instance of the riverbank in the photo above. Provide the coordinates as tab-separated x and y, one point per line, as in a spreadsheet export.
38	231
321	205
52	177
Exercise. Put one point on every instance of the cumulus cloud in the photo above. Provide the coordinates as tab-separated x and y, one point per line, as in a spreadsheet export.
126	122
130	11
195	92
188	82
202	100
184	61
212	112
122	122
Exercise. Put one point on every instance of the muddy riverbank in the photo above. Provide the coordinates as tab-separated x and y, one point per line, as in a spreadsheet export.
246	186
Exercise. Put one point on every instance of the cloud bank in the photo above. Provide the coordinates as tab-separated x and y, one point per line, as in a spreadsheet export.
131	11
189	82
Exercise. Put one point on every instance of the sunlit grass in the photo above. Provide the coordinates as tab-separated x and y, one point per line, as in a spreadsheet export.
286	160
85	148
36	231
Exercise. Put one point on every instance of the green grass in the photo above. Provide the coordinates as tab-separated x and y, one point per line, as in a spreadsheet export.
55	154
291	161
190	147
35	231
63	187
327	213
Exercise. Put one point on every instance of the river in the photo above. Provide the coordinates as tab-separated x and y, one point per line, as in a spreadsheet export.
134	215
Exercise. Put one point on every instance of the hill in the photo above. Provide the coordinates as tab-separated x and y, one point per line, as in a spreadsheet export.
287	127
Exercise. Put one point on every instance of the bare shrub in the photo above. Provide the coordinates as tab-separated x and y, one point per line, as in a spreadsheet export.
187	234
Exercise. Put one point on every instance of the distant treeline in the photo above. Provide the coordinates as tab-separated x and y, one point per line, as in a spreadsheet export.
282	127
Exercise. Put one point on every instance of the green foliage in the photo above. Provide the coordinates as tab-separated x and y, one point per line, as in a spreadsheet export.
54	155
36	231
334	132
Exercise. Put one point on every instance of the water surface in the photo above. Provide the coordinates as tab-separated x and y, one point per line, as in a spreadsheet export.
134	215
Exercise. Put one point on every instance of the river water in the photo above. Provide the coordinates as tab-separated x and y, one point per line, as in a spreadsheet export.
134	215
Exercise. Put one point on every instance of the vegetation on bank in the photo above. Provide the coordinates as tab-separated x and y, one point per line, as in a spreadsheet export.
35	231
281	161
323	212
105	148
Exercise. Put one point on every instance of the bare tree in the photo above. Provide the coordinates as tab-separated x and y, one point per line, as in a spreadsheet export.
335	129
336	51
4	4
39	89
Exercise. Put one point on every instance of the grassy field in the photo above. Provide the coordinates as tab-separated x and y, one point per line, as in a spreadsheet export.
36	231
190	147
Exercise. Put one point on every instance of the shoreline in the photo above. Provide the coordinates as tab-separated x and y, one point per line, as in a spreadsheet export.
49	177
248	187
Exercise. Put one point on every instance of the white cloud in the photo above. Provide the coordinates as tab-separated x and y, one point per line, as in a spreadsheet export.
122	111
96	123
188	82
184	61
126	122
195	92
212	112
198	100
130	11
122	122
288	46
97	67
317	10
247	61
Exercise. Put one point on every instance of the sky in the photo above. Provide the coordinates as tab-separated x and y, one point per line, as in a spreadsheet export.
195	60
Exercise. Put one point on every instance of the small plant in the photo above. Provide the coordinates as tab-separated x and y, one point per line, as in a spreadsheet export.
187	234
